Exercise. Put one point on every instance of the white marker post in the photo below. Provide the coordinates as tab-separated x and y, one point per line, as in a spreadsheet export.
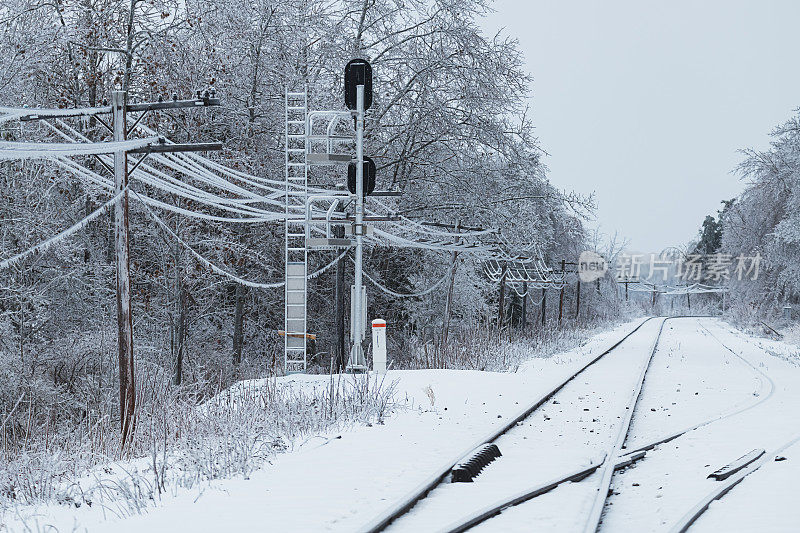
379	346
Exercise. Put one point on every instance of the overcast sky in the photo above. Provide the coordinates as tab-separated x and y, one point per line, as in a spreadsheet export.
647	102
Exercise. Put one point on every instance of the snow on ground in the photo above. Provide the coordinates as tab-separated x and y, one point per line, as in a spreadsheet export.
656	492
337	482
568	432
703	371
690	380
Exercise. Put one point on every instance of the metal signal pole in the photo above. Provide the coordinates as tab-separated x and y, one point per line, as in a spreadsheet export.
357	361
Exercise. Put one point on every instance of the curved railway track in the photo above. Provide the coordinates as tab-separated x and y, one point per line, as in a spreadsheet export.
605	463
691	516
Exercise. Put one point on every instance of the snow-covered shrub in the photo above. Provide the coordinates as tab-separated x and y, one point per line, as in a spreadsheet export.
179	443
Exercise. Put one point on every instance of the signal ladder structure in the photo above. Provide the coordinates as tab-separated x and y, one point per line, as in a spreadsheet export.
295	336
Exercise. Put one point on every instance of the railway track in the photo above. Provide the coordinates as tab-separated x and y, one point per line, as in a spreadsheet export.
441	475
601	468
691	516
724	488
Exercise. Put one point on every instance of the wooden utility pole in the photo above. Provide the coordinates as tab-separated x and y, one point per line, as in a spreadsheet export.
578	299
119	110
525	307
448	303
502	298
561	292
544	304
127	393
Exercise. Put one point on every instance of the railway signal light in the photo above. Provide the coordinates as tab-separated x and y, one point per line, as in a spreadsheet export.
357	72
369	176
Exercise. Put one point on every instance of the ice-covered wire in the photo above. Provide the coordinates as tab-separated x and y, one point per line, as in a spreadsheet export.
63	235
275	185
95	178
163	181
418	227
199	168
409	295
19	150
439	246
221	271
527	292
12	113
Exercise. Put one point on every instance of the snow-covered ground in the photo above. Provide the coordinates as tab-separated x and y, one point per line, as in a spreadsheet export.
339	481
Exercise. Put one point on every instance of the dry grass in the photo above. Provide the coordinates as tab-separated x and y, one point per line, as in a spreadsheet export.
178	443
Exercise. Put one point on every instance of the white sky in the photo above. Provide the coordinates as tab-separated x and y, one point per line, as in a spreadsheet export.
647	102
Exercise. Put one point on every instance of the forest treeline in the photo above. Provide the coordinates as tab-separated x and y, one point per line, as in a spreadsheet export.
449	127
762	222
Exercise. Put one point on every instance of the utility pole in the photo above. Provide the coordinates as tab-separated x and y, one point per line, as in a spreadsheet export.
525	307
127	393
578	299
561	292
502	298
544	304
448	303
119	110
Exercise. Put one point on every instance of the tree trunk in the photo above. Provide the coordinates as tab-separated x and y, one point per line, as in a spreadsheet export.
181	332
238	324
339	314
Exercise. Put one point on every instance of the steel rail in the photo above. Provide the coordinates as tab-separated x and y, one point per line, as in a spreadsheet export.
735	410
498	507
405	504
701	507
620	461
697	511
501	505
609	466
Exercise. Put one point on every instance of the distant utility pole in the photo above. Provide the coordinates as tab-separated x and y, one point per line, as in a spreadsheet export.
561	292
544	304
502	299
